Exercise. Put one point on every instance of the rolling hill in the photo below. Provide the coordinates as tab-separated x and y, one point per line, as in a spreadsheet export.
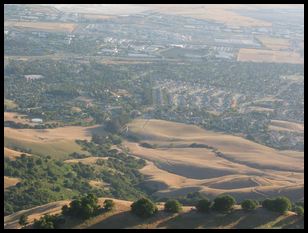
58	142
220	164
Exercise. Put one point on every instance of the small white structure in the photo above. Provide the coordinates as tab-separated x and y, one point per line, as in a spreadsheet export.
37	120
33	77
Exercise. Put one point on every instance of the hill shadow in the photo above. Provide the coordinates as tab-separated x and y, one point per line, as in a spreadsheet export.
262	217
128	220
255	219
290	222
193	220
99	130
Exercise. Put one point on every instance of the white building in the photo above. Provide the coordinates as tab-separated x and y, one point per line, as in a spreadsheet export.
37	120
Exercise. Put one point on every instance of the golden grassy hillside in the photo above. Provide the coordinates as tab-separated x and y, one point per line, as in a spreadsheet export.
10	181
57	142
18	118
243	168
12	154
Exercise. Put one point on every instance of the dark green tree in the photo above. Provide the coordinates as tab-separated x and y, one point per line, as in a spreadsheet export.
268	204
65	210
249	205
45	222
109	204
23	220
223	203
279	204
203	205
299	210
83	207
282	204
113	126
144	208
173	206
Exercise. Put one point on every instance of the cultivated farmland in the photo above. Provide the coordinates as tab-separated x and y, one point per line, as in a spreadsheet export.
269	56
42	26
274	43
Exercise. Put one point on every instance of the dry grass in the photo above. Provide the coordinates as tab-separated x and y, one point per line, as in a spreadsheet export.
259	55
89	160
42	9
243	168
12	154
218	12
170	134
98	184
259	109
44	26
49	135
10	104
126	62
274	43
10	181
18	118
294	78
11	221
101	9
97	16
286	126
58	142
76	109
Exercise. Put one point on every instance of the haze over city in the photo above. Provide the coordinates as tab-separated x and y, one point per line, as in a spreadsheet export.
148	116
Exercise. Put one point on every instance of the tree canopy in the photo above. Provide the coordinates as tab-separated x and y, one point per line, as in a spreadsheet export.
144	208
223	203
203	205
173	206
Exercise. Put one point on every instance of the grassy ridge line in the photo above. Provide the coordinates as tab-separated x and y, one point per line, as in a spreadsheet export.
121	217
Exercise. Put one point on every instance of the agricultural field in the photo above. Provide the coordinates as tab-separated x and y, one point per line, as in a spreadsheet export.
269	56
286	126
273	43
125	62
223	163
215	12
97	16
41	26
294	78
102	9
